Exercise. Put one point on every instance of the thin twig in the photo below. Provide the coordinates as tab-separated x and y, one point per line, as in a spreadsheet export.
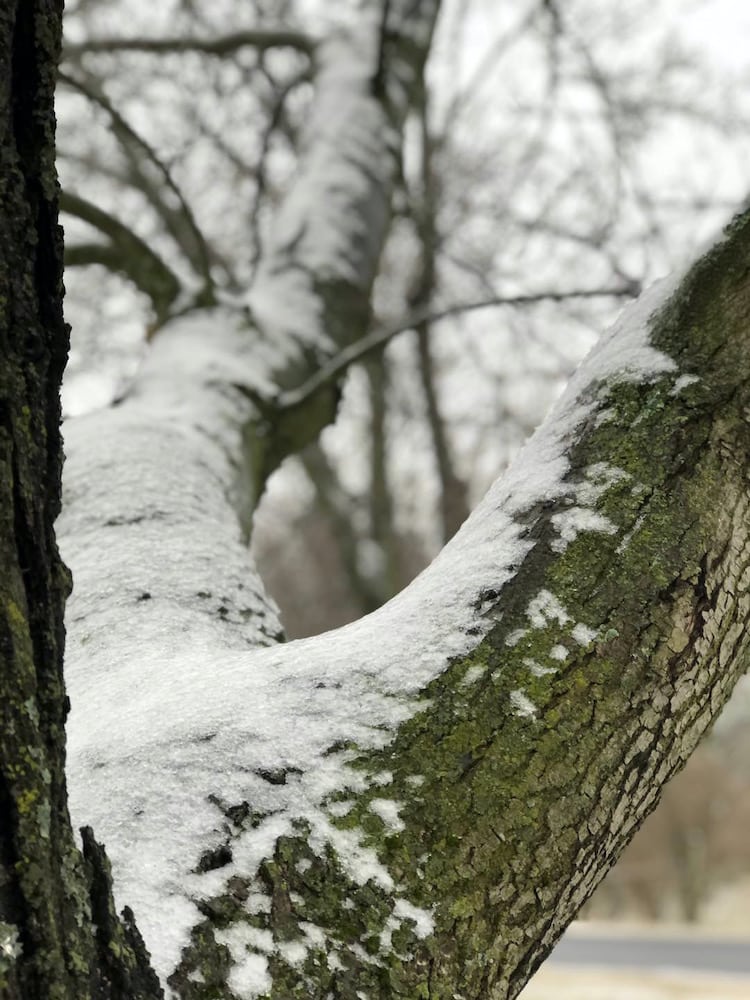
379	338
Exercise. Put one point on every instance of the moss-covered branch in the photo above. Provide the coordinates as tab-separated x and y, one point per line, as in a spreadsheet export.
529	761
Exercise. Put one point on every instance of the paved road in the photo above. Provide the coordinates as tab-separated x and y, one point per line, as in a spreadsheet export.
687	954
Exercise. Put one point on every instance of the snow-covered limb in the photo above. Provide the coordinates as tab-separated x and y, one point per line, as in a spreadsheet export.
425	797
311	295
194	437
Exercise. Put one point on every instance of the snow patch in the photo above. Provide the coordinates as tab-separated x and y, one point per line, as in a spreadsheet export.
682	382
387	810
537	670
423	920
341	807
294	953
522	704
249	976
545	608
569	524
472	675
583	635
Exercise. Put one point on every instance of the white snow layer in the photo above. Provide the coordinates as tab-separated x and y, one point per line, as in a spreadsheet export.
522	704
330	226
170	706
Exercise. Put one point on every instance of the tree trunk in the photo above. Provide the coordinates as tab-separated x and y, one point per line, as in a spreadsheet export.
54	940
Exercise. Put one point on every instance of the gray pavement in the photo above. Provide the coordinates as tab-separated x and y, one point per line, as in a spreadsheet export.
658	952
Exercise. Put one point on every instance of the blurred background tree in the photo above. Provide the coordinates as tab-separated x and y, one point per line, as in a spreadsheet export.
563	155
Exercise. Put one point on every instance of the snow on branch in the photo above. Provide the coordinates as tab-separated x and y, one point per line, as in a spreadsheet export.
312	287
194	758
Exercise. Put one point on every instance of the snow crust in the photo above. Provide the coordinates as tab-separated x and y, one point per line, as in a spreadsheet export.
172	709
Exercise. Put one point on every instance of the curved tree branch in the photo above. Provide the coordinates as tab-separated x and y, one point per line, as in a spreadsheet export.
126	253
426	797
179	222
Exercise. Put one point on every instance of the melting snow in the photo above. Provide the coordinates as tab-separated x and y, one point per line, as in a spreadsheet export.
472	675
682	383
515	637
424	923
537	670
570	523
249	975
387	810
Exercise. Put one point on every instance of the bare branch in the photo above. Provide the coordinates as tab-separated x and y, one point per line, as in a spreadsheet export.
180	222
126	253
379	338
261	39
454	507
274	121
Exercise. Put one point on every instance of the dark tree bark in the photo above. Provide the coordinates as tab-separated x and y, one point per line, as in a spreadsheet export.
48	948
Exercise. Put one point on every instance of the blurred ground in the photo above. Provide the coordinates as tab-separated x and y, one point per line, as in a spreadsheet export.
553	983
727	917
728	910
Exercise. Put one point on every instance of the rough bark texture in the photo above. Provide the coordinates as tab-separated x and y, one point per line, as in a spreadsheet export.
519	815
616	650
47	945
